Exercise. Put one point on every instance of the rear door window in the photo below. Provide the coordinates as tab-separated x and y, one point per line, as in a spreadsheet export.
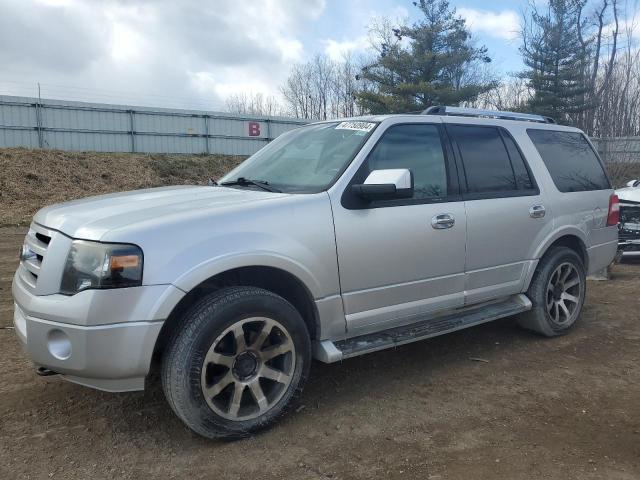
571	161
523	178
492	163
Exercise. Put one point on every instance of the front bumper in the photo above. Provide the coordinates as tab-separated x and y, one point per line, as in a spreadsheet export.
629	245
114	358
103	340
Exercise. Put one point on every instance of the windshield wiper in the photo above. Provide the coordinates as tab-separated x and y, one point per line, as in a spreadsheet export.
243	182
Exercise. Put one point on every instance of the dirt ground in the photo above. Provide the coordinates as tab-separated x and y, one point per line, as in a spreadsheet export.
567	408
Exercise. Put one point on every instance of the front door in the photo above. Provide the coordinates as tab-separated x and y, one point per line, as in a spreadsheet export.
400	260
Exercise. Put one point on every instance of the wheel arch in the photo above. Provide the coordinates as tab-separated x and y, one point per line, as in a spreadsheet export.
573	239
276	280
570	237
575	244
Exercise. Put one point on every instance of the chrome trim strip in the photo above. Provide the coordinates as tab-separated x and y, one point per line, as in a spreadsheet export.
33	265
34	244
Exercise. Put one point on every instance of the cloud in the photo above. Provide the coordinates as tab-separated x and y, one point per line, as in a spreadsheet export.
359	17
163	48
503	25
337	50
629	27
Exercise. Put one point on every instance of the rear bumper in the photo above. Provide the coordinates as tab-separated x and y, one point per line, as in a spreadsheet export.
601	256
629	245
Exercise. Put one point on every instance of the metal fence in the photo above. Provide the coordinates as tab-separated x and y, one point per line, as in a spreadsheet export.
621	149
66	125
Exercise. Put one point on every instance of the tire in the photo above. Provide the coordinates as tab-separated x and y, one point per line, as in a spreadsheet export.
238	363
553	284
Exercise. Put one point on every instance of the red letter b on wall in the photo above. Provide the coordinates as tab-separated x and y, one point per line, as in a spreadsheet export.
254	129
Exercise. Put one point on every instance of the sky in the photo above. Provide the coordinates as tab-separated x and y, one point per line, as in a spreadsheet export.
195	53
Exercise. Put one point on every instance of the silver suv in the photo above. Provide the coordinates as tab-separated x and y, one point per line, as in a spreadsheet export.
337	239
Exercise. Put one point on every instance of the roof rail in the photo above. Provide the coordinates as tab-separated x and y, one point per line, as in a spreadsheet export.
481	113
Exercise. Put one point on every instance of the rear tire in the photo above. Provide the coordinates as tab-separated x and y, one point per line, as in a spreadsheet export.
557	292
238	363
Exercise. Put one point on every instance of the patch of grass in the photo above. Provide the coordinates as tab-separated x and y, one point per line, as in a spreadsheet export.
196	168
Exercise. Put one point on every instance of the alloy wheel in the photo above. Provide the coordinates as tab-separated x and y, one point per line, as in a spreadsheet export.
248	368
563	295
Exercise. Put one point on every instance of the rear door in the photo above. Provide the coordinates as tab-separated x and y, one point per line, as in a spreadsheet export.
506	213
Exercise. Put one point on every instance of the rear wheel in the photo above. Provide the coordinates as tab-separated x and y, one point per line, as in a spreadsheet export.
557	292
238	363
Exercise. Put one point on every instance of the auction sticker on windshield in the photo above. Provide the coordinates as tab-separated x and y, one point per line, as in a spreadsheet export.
359	126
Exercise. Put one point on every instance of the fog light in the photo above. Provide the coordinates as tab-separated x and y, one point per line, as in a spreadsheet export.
59	344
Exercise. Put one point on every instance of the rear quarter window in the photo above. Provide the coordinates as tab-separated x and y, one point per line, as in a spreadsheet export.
572	163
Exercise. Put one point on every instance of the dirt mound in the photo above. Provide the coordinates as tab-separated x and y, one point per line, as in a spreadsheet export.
31	179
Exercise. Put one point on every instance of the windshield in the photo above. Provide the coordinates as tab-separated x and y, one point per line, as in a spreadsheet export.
304	160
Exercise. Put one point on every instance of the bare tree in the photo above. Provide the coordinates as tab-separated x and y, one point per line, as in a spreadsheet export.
297	92
253	104
598	31
512	94
617	86
322	88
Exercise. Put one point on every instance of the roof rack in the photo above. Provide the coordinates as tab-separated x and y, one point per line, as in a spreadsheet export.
481	113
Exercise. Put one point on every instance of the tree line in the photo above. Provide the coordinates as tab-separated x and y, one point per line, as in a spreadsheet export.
581	67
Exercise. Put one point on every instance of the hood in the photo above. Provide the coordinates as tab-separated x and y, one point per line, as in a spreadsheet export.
90	218
629	194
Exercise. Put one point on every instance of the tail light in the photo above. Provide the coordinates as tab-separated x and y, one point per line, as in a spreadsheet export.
613	217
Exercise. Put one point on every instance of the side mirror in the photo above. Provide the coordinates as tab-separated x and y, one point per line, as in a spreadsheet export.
386	185
633	183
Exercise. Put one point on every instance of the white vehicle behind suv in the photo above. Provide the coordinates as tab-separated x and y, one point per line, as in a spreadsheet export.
337	239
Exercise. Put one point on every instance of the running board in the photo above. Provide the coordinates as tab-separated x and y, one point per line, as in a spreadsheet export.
329	352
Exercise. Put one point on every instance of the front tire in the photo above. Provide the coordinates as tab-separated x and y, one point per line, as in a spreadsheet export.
557	292
238	363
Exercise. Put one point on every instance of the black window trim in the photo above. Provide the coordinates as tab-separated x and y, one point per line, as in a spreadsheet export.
350	201
502	131
595	152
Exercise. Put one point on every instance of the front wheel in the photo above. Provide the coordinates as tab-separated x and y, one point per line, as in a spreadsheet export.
557	292
237	364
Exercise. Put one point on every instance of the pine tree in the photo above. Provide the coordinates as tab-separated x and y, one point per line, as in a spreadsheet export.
556	61
432	62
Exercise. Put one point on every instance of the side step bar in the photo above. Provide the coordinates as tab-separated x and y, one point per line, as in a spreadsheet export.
329	352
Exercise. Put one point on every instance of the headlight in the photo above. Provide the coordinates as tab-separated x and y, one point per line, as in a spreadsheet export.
101	265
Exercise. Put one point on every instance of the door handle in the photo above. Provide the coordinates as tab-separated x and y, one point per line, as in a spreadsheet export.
537	211
442	221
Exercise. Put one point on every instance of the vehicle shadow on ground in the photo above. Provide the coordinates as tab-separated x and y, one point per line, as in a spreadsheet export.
630	259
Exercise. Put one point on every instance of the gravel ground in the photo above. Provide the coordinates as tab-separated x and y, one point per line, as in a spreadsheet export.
567	408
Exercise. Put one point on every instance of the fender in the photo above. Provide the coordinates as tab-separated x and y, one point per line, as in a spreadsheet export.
210	268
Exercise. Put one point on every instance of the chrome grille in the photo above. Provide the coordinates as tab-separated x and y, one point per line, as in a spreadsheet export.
34	250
